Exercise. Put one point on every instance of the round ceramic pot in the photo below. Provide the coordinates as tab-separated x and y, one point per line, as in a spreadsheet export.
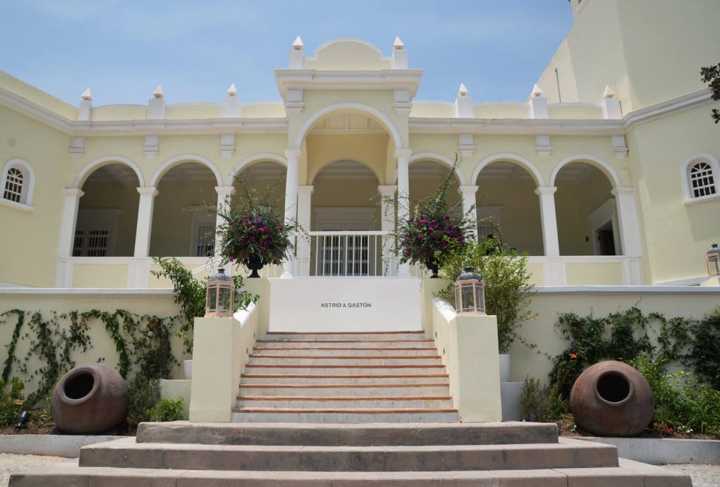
612	399
90	399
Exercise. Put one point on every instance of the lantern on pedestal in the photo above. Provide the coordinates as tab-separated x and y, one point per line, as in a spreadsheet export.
470	292
712	261
220	298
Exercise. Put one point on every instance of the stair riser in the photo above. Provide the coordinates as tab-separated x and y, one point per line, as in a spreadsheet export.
246	381
336	460
390	344
276	337
299	362
334	404
354	390
339	370
349	435
346	352
344	418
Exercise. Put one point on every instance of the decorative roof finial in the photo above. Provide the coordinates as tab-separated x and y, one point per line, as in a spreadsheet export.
298	44
232	91
86	95
398	43
537	92
609	92
462	90
158	92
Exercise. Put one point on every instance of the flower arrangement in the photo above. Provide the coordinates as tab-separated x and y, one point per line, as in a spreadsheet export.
254	234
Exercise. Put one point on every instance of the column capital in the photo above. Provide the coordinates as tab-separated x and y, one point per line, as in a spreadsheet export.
225	190
292	154
387	190
147	191
73	192
627	190
468	189
541	190
404	153
307	189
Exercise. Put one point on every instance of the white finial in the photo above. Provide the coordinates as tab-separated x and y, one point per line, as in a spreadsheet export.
609	92
398	43
537	92
462	90
158	92
86	95
298	44
232	91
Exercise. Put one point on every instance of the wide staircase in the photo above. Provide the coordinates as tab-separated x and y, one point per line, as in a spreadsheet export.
345	378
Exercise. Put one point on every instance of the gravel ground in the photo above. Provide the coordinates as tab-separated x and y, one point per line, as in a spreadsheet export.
702	475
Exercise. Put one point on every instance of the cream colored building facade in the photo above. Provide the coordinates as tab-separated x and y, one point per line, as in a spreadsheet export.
607	175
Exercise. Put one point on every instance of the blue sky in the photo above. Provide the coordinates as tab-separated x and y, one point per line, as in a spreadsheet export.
123	48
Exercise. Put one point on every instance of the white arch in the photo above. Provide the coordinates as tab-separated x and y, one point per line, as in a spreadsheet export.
389	125
106	161
509	157
685	176
603	166
177	160
253	159
432	156
28	185
367	166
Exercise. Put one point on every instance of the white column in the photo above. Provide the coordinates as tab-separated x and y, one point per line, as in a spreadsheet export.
403	190
629	220
291	194
304	211
468	195
554	270
71	204
143	230
224	194
388	221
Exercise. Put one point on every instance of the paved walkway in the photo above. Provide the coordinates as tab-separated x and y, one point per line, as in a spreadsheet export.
703	475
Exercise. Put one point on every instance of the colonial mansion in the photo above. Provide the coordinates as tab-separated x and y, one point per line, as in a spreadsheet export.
607	174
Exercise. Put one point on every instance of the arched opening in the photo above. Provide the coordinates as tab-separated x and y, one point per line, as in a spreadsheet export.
508	208
586	211
107	214
426	177
185	212
264	181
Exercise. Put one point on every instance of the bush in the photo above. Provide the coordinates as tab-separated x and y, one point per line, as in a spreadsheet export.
168	410
143	395
507	284
704	355
11	401
542	404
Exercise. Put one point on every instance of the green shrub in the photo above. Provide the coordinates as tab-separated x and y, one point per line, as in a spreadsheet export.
543	404
143	395
704	354
507	284
11	401
168	410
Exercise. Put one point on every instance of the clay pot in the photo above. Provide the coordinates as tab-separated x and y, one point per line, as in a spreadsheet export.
90	399
612	399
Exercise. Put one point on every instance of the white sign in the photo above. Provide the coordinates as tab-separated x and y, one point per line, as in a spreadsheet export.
337	304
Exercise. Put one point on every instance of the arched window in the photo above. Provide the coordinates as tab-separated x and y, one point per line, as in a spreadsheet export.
17	182
702	180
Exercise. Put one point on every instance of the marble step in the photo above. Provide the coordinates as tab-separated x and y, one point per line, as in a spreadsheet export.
344	416
351	344
320	377
343	361
348	434
355	337
341	402
344	390
628	475
128	453
354	370
345	352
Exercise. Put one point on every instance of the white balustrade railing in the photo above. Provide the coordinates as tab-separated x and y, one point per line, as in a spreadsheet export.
348	254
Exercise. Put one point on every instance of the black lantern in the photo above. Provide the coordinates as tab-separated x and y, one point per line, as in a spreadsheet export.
712	261
220	296
470	292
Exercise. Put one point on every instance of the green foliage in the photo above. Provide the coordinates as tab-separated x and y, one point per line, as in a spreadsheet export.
704	354
143	395
711	76
682	404
11	401
507	284
541	404
168	410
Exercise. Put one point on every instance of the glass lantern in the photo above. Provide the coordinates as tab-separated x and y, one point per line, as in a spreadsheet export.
219	302
712	261
470	292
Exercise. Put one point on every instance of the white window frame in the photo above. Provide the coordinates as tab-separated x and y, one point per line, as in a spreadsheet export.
93	219
28	185
200	219
685	171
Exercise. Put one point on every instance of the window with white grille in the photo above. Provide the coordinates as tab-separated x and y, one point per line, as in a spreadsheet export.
701	179
205	243
14	181
91	243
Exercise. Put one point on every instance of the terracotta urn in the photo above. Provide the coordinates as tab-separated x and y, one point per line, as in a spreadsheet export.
90	399
612	399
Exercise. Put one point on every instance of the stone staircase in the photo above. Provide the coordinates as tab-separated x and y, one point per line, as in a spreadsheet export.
345	378
350	455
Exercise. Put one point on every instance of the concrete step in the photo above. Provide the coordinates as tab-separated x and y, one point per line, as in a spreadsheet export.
361	370
345	352
438	377
315	390
128	453
343	402
629	474
343	361
347	344
360	336
344	416
348	434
